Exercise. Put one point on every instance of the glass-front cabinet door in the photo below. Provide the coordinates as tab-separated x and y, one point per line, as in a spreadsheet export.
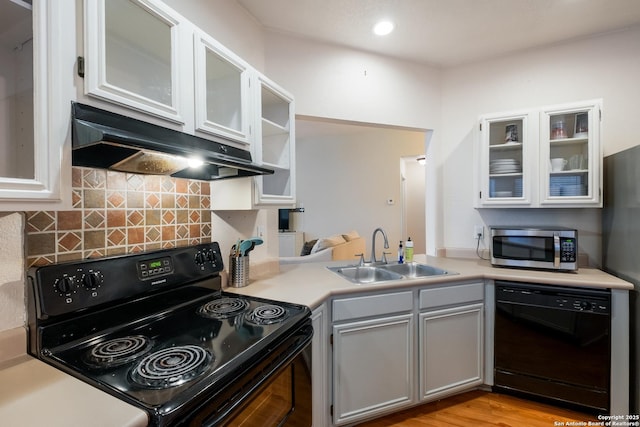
506	152
570	155
221	90
132	54
275	144
35	56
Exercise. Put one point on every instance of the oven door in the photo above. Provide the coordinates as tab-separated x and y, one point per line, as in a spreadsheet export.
276	391
285	400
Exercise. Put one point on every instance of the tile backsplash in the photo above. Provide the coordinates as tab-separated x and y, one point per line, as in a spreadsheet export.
115	213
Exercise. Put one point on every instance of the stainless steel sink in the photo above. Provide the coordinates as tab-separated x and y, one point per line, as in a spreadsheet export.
365	274
381	273
412	270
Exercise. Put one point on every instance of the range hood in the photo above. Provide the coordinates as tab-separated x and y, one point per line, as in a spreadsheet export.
105	140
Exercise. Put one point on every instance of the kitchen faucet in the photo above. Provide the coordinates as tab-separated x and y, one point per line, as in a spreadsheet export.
373	246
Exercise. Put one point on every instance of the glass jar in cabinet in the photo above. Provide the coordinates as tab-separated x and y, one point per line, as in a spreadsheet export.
570	155
504	160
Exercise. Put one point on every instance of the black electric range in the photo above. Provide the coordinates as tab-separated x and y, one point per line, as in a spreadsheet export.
156	330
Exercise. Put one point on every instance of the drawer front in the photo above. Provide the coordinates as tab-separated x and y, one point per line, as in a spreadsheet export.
451	295
372	305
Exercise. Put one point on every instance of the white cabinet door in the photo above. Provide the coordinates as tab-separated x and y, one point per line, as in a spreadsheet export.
372	367
135	54
507	160
451	350
544	157
38	52
221	90
571	155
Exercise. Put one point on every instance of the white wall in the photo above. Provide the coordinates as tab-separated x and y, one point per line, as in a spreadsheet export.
336	82
228	23
600	67
344	182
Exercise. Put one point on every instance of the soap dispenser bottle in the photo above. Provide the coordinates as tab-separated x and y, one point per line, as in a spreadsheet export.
408	251
400	253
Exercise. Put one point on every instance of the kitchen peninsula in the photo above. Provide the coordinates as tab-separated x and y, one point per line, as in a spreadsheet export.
469	293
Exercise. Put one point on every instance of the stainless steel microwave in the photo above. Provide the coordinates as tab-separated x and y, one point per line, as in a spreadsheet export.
533	247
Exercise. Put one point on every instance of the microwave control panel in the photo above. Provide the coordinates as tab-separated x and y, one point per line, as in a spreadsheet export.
568	249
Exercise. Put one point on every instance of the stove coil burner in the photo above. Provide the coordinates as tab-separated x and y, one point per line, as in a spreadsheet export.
224	308
171	367
118	351
267	314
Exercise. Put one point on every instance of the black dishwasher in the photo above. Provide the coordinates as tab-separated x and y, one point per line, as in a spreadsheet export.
553	342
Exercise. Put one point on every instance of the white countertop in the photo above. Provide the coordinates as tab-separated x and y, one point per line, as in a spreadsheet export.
33	393
312	283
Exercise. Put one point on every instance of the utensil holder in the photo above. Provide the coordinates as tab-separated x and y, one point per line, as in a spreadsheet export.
238	271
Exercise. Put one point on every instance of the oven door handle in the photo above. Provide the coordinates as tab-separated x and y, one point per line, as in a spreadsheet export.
556	250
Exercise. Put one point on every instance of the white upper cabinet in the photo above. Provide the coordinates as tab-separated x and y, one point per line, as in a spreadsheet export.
275	144
547	157
222	94
135	55
36	52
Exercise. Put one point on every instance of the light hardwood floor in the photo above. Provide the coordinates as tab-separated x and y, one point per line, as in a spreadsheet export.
480	408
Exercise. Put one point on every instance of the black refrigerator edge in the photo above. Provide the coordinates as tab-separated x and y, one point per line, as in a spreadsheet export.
621	244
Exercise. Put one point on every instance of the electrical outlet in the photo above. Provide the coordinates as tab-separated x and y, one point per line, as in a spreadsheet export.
478	232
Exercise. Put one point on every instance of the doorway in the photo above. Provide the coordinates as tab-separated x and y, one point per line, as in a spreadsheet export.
412	177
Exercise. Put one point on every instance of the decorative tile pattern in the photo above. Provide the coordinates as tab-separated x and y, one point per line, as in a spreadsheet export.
41	221
115	213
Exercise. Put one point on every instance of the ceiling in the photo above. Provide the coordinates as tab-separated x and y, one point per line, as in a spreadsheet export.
445	33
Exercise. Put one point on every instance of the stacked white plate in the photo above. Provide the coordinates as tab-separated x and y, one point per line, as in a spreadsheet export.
500	166
567	185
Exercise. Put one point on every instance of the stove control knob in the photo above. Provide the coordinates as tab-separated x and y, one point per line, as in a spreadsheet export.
200	258
66	285
92	280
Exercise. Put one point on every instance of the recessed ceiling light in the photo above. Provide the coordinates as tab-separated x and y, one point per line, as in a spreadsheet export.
383	28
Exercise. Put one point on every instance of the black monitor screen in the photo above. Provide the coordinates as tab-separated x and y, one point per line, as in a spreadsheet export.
283	219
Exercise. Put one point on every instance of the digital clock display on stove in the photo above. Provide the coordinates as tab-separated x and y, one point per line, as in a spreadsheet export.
154	268
155	264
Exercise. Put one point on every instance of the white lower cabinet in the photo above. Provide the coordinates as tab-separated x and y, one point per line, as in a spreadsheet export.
399	349
373	358
451	337
450	350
